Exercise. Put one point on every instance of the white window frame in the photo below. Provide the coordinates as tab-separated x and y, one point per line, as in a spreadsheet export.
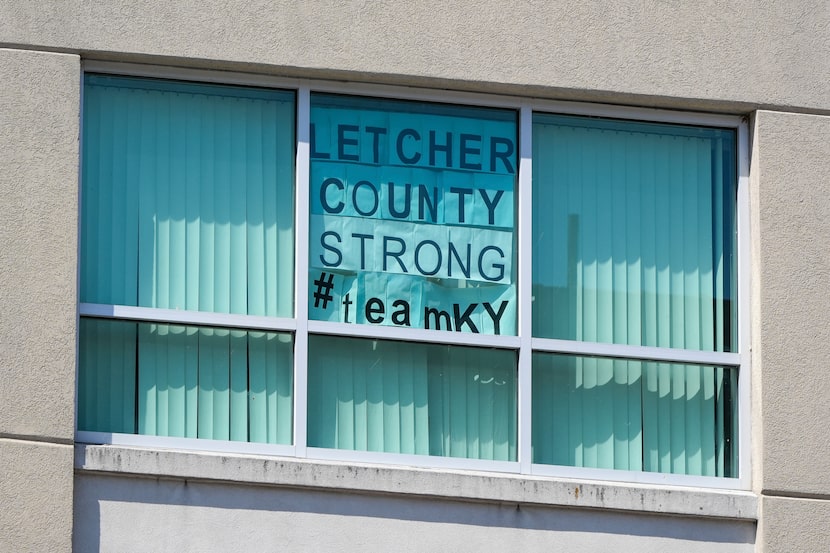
523	343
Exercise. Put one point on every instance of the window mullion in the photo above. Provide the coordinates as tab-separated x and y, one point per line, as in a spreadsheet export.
744	291
382	332
525	282
301	264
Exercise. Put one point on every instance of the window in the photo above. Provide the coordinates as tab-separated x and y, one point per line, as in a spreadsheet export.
412	226
634	239
186	207
413	291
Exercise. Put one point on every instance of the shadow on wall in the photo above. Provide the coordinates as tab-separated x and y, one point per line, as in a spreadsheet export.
143	514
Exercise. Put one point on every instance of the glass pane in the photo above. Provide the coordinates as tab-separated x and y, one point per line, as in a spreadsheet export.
634	233
634	415
396	397
412	215
187	196
185	381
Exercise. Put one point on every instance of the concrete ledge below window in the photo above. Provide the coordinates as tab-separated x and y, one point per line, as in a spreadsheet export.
427	483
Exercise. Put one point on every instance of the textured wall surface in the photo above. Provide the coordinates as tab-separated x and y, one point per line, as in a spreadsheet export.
39	107
792	338
791	329
36	497
124	514
705	54
789	525
732	57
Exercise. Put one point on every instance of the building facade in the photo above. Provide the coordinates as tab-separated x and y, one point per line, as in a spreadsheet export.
414	276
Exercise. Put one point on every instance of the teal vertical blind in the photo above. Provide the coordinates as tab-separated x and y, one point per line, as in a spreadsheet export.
187	203
395	397
187	196
185	381
634	243
634	415
634	233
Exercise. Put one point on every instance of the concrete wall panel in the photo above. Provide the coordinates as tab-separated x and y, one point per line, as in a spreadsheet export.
39	107
140	514
712	54
791	182
36	497
790	525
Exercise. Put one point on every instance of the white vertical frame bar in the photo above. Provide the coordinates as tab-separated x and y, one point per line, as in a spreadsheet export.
744	322
525	295
301	264
78	244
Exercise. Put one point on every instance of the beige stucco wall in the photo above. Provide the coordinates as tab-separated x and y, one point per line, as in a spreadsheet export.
694	54
711	56
791	329
792	338
794	525
36	496
39	107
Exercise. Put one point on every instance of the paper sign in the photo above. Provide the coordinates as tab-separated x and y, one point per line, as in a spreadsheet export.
412	216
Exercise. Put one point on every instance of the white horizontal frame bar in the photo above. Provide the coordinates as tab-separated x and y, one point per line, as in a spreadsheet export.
413	335
193	444
406	93
175	316
423	461
645	353
334	87
635	477
564	107
187	74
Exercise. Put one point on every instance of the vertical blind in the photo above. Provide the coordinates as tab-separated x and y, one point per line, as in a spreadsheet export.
634	233
634	415
185	381
634	238
187	203
395	397
187	199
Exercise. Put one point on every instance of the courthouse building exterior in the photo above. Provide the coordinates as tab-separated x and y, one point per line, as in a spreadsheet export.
414	276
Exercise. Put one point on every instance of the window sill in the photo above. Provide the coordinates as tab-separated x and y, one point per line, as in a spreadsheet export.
427	483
